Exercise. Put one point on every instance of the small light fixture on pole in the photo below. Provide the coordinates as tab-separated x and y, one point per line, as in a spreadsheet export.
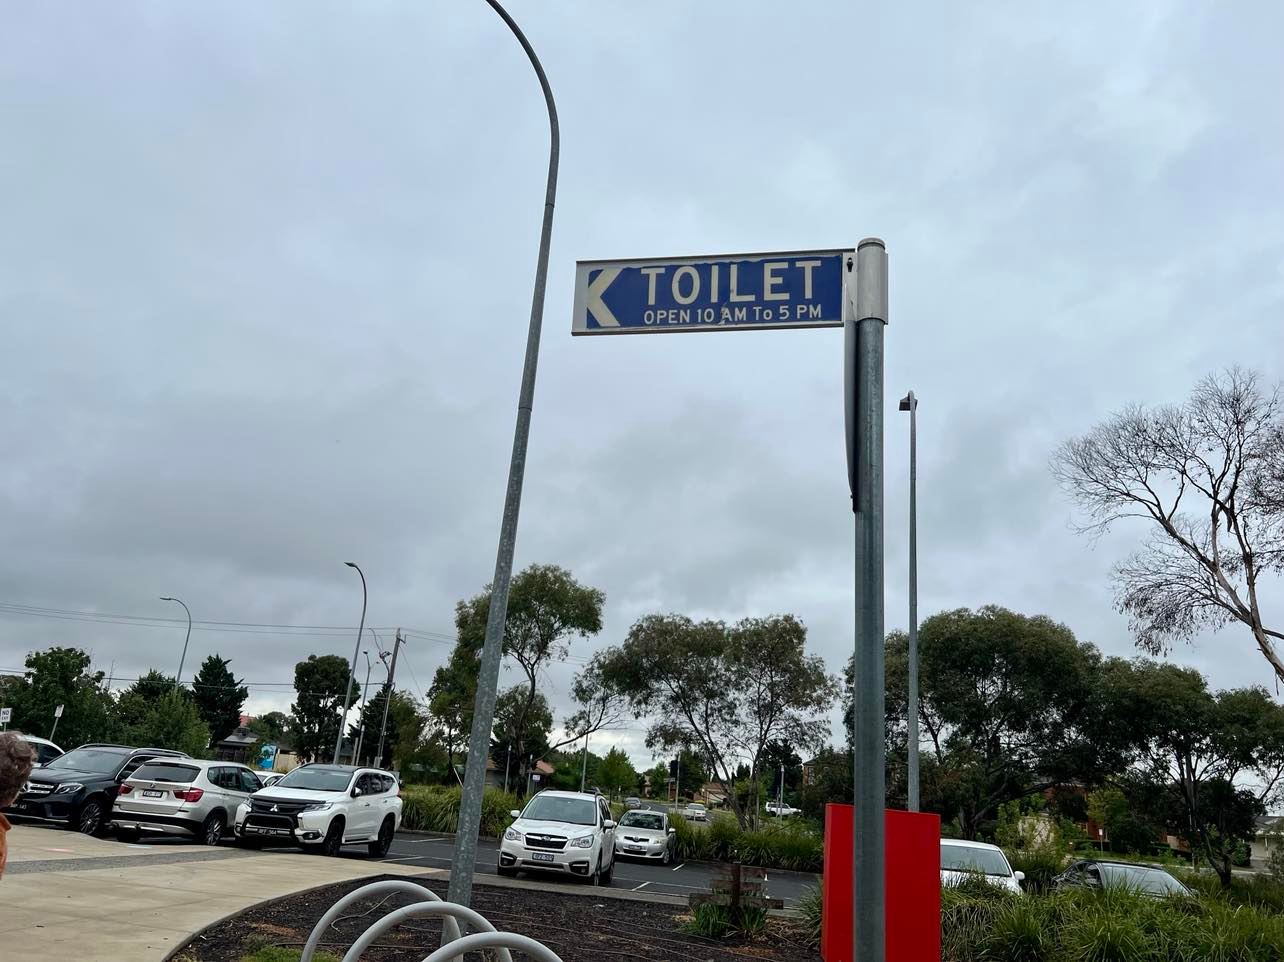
910	403
178	679
352	669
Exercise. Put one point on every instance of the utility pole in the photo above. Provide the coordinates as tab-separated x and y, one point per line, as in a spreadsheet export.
864	423
178	679
780	803
361	712
584	763
392	681
470	804
508	760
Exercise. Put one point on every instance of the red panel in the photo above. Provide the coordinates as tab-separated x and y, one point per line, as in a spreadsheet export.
913	879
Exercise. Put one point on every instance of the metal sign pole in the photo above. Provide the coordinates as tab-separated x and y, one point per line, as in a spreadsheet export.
864	423
470	805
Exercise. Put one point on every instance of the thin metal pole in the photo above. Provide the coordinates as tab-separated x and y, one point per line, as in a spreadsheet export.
361	712
584	763
465	858
352	671
865	436
55	727
392	686
178	679
910	403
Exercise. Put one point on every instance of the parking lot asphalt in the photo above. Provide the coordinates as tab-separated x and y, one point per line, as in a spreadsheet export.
55	850
680	878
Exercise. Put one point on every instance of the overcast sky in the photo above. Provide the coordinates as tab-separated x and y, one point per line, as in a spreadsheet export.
265	274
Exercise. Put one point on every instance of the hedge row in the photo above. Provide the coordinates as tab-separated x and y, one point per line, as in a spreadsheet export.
427	808
784	846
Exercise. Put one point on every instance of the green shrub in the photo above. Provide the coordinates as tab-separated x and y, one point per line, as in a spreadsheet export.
784	847
436	809
810	905
710	921
1018	933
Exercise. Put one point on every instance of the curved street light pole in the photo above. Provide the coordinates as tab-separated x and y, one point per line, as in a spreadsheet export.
461	876
361	712
178	679
352	669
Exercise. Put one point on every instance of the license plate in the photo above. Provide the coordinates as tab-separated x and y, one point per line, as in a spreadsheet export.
259	830
635	848
542	856
152	793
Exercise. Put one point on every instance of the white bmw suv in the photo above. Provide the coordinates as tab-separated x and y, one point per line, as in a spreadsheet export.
323	808
567	832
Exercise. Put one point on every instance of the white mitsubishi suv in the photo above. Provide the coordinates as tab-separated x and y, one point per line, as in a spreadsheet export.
324	807
567	832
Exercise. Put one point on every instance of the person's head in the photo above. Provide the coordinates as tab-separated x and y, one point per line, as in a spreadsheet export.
17	758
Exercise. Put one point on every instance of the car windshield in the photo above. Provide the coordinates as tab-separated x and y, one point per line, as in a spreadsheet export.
553	808
965	858
1139	878
316	780
99	760
650	820
167	772
695	807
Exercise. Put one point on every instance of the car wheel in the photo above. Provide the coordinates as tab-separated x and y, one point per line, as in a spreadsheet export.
379	848
606	876
333	840
90	820
212	829
667	857
127	835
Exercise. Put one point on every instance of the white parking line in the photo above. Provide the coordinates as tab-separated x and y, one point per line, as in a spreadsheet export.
404	858
429	841
675	868
640	887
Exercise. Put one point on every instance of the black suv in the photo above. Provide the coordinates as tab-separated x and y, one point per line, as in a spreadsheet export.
79	787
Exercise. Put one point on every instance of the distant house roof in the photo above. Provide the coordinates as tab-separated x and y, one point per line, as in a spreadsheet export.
242	736
1270	824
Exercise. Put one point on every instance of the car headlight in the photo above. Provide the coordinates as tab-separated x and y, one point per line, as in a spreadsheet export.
67	787
318	806
584	841
512	835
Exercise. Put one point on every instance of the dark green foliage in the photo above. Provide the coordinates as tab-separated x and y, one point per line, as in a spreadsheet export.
219	697
319	684
61	676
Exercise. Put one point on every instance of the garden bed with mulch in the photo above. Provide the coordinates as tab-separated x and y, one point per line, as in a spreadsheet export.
579	928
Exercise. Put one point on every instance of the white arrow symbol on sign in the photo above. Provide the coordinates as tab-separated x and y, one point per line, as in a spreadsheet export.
601	313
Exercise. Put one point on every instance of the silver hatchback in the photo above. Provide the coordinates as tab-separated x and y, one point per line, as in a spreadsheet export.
183	796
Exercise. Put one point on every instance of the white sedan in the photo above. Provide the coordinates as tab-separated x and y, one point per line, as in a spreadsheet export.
645	834
694	812
961	860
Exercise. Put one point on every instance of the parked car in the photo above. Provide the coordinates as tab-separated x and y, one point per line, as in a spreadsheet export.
632	802
46	751
694	812
647	835
80	787
960	859
182	796
1098	873
268	779
782	810
323	808
567	832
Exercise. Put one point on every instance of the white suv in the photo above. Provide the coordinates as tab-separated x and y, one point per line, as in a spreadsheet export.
567	832
324	807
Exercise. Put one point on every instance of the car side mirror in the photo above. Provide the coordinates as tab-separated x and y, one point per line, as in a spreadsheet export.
356	793
673	831
515	813
1019	876
608	824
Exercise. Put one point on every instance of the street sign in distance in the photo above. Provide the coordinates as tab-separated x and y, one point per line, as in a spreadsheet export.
5	715
716	293
58	712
